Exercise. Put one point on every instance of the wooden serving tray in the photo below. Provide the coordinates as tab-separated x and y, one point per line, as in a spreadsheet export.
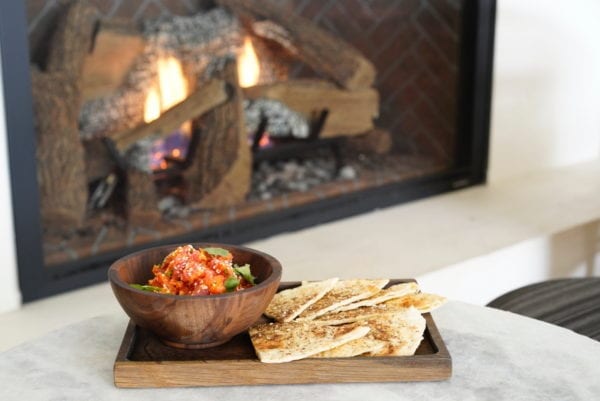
144	361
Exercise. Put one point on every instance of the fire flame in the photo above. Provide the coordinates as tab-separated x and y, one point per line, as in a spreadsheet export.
248	65
171	88
152	105
265	140
171	81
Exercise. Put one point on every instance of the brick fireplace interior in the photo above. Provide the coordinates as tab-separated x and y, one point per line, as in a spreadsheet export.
178	120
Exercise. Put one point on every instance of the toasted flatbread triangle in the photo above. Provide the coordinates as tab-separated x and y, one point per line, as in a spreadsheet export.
352	348
422	301
285	342
402	331
288	304
354	315
395	291
391	334
343	293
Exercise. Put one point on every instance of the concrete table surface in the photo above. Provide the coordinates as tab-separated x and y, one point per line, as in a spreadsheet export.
496	355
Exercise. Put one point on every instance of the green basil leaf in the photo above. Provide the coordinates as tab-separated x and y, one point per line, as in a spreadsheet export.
149	288
217	251
244	271
231	283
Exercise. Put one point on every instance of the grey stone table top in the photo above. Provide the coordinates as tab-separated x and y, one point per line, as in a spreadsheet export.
496	356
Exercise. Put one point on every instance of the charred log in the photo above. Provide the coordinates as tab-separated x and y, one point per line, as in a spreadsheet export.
57	100
141	198
350	112
116	48
208	96
323	52
219	175
72	40
194	40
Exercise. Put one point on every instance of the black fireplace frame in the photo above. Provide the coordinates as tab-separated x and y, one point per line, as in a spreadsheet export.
37	281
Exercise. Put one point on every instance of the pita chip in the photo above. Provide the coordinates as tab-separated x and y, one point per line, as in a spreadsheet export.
402	331
288	304
285	342
395	291
343	293
364	313
391	334
363	345
422	301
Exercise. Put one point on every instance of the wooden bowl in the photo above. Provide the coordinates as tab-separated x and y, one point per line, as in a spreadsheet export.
186	321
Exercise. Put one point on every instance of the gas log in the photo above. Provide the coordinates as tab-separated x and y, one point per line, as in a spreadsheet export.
116	47
219	174
59	153
323	52
57	100
72	40
111	65
350	112
141	198
275	61
193	40
208	96
100	161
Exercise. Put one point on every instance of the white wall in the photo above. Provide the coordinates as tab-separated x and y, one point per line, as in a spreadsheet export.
546	100
10	297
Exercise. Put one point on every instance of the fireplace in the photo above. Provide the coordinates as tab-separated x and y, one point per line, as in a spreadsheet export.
136	124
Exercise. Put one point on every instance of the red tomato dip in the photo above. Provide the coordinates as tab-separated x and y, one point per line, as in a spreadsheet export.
190	271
